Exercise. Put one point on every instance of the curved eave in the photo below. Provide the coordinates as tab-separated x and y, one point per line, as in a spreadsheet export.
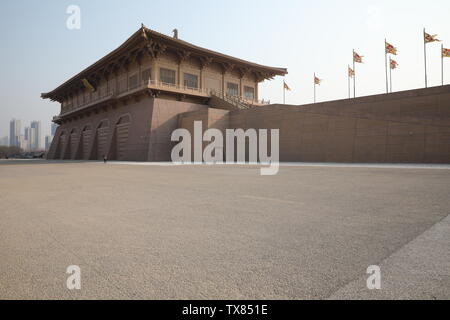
276	71
139	35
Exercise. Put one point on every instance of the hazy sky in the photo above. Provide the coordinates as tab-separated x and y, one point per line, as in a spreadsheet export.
38	52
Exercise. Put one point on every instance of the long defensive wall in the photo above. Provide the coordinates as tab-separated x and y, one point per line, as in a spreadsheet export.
404	127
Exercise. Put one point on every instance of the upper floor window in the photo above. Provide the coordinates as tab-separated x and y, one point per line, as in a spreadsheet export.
232	89
167	76
190	80
146	75
249	93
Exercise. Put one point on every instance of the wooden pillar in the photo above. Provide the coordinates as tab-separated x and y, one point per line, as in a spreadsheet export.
155	67
106	79
223	82
179	74
240	87
204	63
139	76
116	81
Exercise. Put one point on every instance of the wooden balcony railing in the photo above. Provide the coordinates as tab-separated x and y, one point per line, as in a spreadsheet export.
156	85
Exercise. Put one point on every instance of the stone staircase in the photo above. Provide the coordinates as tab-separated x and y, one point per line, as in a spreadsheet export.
226	102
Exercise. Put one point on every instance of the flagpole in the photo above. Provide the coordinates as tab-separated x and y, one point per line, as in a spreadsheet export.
442	63
390	73
425	57
348	76
314	87
385	58
354	75
284	92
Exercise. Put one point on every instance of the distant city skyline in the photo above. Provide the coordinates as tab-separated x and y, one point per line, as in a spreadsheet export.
30	138
45	129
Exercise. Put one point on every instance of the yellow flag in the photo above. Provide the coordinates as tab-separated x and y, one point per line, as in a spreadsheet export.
391	49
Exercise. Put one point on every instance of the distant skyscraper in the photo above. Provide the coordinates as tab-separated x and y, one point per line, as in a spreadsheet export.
14	133
26	143
26	138
36	135
26	132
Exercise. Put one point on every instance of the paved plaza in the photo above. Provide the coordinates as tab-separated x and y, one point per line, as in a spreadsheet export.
156	231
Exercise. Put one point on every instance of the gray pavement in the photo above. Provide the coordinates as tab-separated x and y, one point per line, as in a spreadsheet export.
223	232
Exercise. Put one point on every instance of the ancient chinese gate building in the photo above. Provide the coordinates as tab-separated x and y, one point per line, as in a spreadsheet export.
127	104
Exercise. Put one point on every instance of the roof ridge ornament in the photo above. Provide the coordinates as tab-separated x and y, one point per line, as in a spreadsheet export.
144	32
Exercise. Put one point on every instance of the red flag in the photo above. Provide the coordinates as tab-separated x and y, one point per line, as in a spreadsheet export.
351	72
445	53
430	38
357	58
317	80
394	64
